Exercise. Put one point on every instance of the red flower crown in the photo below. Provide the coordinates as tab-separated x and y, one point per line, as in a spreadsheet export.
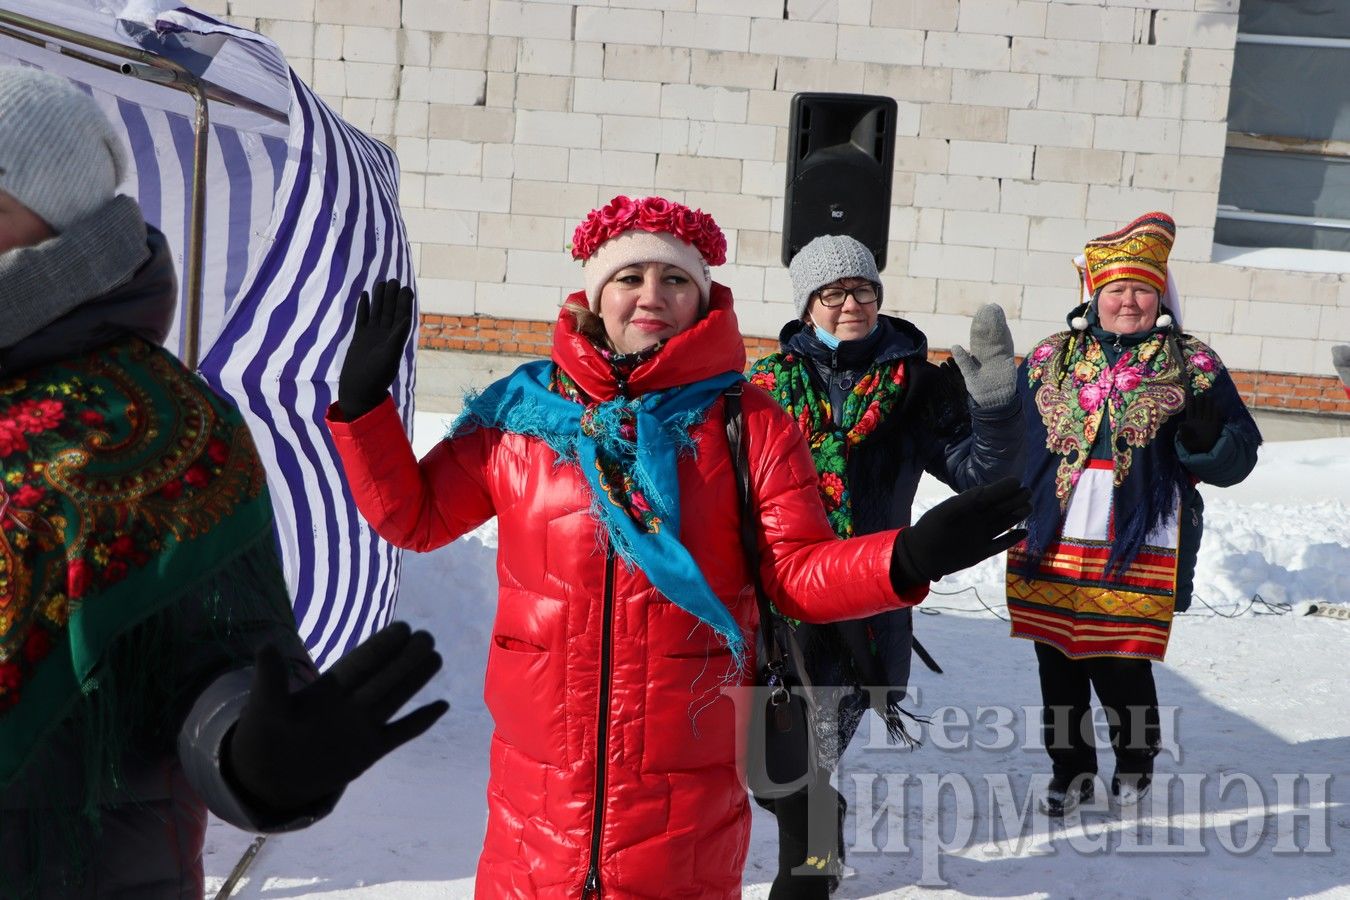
655	214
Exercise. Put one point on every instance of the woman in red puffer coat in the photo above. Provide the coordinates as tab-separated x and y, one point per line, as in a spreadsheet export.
625	606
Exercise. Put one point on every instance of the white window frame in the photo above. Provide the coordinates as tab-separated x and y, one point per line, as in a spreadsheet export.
1297	259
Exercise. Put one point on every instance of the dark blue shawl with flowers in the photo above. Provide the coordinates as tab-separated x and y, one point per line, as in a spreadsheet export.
1074	399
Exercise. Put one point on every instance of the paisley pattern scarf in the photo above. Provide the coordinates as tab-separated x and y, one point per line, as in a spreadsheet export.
1077	389
124	485
616	475
870	402
627	449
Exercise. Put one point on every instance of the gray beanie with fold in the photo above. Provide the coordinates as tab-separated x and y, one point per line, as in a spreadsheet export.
59	154
828	258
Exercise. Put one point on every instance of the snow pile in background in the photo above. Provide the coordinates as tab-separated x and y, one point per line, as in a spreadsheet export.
1283	534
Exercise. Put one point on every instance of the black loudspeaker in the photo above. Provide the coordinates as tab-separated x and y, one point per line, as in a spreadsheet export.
841	148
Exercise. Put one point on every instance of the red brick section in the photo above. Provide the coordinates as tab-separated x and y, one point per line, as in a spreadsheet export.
1278	391
485	334
1285	392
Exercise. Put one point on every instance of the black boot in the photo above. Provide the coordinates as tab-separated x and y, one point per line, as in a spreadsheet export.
806	872
1064	794
1128	788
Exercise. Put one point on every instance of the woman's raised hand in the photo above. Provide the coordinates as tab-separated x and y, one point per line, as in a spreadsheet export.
989	368
292	748
371	365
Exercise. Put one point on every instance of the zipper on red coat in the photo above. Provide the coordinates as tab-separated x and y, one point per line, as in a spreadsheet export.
591	889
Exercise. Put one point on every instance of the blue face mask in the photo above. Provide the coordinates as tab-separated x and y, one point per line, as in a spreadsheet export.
833	342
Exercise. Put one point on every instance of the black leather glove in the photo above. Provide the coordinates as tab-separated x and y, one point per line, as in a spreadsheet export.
288	751
959	532
1201	424
373	357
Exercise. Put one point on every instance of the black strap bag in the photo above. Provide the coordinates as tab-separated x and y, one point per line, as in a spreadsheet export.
780	757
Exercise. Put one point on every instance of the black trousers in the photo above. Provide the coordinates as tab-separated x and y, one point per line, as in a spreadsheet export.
810	841
1125	690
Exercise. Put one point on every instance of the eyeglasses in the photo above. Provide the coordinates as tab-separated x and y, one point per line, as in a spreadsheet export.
864	294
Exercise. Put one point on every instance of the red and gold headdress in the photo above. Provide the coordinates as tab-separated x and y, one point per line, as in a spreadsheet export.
1138	251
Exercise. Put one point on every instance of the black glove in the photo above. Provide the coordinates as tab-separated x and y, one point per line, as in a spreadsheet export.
948	403
1201	424
959	532
373	357
290	751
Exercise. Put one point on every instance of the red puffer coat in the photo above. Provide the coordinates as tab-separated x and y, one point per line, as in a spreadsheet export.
614	758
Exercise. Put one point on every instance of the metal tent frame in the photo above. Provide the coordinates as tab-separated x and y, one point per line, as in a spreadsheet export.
147	67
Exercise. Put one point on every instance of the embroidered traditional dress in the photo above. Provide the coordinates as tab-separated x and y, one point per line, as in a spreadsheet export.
1104	583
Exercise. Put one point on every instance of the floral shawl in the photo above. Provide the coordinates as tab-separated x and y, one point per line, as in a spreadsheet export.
786	377
1074	394
126	486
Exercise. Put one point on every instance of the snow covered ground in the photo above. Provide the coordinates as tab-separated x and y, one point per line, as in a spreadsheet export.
1252	797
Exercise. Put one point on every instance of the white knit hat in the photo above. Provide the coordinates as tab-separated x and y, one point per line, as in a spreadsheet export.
636	247
827	259
59	154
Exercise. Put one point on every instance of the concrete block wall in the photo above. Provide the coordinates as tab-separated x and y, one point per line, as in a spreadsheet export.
1025	128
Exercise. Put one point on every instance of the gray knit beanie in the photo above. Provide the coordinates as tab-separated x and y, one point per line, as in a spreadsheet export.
828	258
59	154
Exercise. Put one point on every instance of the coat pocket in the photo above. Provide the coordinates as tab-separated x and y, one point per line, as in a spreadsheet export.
523	691
691	720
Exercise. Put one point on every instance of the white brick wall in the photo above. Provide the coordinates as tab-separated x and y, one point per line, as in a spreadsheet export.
786	38
734	69
1033	198
957	192
1003	17
934	260
931	15
1055	57
1081	22
820	75
978	229
1017	90
991	158
881	45
596	95
1024	128
690	101
1049	128
966	51
619	26
706	32
663	64
557	128
1070	93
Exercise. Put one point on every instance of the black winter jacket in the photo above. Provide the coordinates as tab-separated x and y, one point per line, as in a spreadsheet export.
937	429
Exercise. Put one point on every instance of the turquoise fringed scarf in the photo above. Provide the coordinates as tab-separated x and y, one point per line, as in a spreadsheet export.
596	438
